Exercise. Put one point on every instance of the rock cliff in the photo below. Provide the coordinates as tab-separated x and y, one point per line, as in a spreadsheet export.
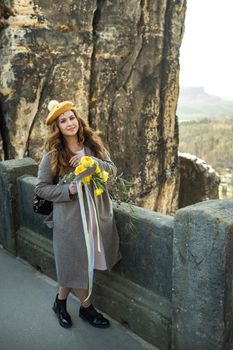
118	61
198	181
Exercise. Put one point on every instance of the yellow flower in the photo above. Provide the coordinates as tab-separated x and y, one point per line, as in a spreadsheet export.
98	191
104	176
79	169
86	180
97	170
86	161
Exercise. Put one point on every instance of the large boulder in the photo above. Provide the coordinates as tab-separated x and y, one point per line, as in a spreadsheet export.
118	61
198	180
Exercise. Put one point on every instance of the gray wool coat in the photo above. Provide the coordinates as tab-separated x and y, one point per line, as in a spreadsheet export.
68	235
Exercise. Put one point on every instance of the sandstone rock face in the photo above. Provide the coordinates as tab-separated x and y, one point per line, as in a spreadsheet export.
43	58
118	61
198	180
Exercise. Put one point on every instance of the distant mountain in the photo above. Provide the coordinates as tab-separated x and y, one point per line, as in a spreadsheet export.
195	103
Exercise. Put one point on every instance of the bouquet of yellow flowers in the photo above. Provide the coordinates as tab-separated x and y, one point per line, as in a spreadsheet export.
102	180
94	174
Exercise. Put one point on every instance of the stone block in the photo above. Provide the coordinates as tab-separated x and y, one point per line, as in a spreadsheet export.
202	276
144	312
29	219
37	250
10	170
146	248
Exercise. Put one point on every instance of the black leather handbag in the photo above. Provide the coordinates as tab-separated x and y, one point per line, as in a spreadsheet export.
43	206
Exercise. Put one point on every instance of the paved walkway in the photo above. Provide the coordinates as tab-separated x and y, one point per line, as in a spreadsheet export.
27	321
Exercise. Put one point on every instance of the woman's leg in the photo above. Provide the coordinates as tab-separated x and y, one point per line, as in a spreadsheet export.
88	312
82	295
63	293
59	307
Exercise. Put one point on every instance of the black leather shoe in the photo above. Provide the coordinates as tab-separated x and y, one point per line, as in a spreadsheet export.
90	315
59	307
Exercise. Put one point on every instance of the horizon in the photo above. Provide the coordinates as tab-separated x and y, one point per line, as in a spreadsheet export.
208	93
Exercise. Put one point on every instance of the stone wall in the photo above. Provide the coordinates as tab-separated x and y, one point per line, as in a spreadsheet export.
118	61
173	285
148	247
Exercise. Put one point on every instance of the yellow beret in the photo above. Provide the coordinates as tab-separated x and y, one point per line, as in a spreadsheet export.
58	109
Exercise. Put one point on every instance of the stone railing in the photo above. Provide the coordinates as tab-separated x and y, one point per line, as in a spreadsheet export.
173	285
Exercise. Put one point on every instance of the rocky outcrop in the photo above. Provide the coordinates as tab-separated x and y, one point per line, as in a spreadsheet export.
198	180
118	60
46	54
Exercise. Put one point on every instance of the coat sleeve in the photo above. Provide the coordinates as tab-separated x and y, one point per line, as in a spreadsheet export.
107	164
45	187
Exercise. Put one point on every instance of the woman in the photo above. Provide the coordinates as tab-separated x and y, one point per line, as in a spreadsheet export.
72	138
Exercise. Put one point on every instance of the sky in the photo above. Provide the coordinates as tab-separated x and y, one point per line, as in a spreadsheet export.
206	56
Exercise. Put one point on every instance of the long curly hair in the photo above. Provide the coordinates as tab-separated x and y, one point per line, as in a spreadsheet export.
57	147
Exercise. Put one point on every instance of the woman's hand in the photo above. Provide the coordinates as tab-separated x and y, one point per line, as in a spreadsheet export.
73	187
74	160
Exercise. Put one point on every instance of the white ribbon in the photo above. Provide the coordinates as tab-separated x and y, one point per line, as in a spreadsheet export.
87	233
89	197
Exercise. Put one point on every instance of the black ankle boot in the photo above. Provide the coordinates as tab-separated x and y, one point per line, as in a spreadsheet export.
59	307
90	315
